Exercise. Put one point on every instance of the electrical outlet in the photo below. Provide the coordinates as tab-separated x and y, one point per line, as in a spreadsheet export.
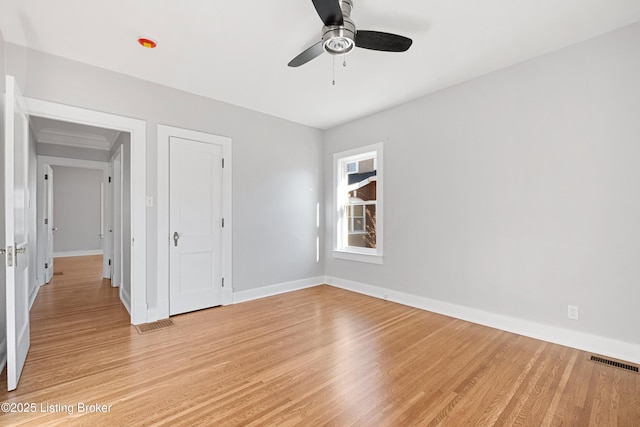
573	312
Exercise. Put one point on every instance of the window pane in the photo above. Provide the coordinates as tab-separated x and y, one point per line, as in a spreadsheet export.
358	240
358	210
366	165
371	226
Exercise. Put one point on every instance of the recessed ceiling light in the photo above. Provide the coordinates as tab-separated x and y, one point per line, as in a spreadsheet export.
148	43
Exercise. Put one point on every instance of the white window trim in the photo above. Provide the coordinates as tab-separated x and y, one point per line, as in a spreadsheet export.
373	256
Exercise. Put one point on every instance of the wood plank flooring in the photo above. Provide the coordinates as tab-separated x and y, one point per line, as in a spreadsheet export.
320	356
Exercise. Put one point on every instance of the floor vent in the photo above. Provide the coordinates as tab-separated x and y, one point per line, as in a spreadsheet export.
613	363
154	326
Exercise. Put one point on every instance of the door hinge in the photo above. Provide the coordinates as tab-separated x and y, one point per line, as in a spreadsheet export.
46	265
223	163
46	176
109	262
222	222
223	282
109	179
46	220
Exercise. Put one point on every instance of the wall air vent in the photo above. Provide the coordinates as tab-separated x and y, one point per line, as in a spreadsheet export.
615	364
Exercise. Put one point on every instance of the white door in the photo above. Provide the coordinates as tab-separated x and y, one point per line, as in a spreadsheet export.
117	219
48	221
16	232
195	223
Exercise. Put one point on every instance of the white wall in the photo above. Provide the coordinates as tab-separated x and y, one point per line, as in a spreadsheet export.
82	153
3	290
515	193
276	172
76	210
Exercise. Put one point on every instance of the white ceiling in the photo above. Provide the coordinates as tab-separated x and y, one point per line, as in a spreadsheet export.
237	51
55	132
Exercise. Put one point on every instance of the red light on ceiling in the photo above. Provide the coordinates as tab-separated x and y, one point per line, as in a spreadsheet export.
148	43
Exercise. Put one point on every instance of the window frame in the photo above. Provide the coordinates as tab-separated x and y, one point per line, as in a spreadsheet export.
341	249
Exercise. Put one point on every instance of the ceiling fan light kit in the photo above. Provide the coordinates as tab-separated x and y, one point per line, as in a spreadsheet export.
340	39
339	34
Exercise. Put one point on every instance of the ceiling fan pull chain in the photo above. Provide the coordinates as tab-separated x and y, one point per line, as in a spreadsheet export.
334	70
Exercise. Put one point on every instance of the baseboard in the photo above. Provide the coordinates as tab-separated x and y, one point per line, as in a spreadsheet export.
267	291
125	301
579	340
77	253
32	296
153	314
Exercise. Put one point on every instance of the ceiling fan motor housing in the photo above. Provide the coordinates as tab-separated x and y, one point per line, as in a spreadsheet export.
340	39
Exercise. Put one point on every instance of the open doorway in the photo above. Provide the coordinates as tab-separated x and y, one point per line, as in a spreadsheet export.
134	249
82	203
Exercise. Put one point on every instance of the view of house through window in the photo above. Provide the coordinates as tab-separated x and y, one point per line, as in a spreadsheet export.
361	203
358	209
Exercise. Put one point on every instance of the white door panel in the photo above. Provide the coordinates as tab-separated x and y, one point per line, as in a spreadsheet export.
195	220
48	185
16	198
117	221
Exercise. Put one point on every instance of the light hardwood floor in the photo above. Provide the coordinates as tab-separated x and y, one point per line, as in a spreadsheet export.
320	356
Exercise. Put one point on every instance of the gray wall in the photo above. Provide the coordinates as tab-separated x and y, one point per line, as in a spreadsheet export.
76	209
277	164
515	193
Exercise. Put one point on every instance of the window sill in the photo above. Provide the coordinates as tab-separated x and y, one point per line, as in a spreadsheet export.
358	256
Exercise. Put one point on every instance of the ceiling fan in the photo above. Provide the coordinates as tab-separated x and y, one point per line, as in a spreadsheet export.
339	34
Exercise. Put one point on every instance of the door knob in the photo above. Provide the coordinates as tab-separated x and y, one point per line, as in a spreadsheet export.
22	250
176	236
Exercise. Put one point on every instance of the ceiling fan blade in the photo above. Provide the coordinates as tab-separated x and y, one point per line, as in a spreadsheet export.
376	40
329	11
306	56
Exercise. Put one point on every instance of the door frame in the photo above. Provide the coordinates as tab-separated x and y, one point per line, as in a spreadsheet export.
115	211
44	230
138	131
164	237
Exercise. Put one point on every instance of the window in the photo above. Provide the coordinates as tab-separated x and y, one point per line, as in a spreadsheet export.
358	204
352	167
